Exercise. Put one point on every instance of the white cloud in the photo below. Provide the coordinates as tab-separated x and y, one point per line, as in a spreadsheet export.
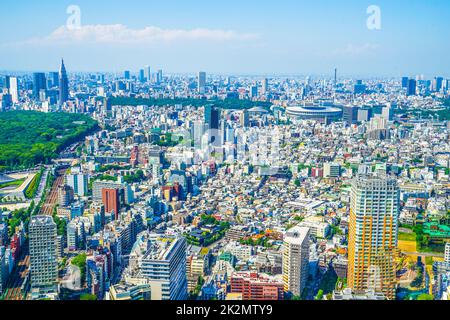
121	34
357	49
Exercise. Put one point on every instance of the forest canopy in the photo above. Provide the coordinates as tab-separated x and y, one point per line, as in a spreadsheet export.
28	138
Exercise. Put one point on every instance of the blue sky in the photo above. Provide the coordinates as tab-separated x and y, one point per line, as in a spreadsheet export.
233	37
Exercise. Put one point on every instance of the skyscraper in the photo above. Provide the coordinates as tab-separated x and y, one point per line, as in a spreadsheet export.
350	115
212	117
148	74
43	254
201	82
54	77
111	201
39	83
14	89
63	84
405	82
373	232
127	75
164	266
142	75
296	260
265	86
412	87
159	77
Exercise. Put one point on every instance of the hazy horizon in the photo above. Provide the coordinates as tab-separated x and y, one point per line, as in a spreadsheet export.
233	38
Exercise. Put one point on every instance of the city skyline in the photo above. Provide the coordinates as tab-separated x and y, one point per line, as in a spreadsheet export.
301	38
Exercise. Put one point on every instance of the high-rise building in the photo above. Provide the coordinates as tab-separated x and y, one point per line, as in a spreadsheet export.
296	260
78	182
142	75
359	88
350	115
148	73
111	201
164	267
54	78
63	84
212	117
405	82
14	89
39	83
65	195
265	86
127	75
373	229
201	82
159	77
412	87
43	254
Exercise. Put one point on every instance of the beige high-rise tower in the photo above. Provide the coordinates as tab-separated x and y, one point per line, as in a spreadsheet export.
373	233
295	260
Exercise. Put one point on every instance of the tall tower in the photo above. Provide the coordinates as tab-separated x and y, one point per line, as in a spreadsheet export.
373	233
201	82
39	83
43	254
63	84
296	260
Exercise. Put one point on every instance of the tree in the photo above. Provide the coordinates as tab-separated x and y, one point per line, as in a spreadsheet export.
424	297
88	297
319	295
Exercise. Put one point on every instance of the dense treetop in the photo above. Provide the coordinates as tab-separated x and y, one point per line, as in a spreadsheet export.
28	138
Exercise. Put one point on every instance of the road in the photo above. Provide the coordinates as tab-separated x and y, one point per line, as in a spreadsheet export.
52	197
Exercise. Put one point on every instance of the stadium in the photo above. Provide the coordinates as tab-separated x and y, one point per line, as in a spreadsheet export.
323	114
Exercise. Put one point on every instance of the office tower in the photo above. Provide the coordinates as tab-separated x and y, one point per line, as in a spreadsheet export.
201	82
437	84
387	113
198	129
63	84
164	266
43	254
265	86
335	76
254	91
148	73
14	89
39	83
78	182
159	77
107	106
111	201
364	114
373	229
350	115
54	78
127	75
65	195
412	87
359	88
6	82
76	235
212	117
295	260
405	82
142	75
